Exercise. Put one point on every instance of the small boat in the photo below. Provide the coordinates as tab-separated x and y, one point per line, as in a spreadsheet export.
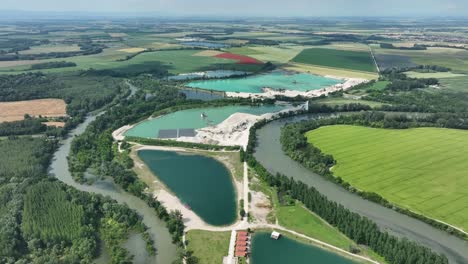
203	115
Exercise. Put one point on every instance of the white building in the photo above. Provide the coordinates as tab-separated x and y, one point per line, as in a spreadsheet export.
275	235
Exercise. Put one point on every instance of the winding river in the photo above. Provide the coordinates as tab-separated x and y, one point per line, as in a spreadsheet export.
166	251
270	154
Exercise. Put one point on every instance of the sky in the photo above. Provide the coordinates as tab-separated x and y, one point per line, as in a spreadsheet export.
285	8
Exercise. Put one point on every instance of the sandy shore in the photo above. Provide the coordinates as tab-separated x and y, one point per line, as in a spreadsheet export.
119	134
271	93
172	202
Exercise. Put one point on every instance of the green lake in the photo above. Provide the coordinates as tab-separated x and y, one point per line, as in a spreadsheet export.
285	250
276	80
200	182
192	119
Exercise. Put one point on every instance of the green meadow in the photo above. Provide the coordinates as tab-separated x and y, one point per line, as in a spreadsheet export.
344	59
175	61
422	169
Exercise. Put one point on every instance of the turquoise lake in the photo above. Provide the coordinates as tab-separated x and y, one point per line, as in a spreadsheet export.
276	80
191	118
200	182
285	250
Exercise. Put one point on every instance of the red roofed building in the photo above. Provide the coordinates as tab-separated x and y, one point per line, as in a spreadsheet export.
241	248
242	233
242	254
241	243
242	238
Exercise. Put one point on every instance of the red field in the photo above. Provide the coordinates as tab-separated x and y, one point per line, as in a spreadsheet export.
239	58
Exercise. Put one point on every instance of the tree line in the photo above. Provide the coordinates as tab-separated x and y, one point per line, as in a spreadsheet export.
295	145
359	229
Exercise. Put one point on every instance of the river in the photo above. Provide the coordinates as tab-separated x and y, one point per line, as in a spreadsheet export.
166	251
269	153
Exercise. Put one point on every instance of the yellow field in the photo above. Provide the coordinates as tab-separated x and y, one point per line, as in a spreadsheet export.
438	75
161	45
282	54
7	64
118	35
324	71
207	53
51	48
55	124
132	50
14	111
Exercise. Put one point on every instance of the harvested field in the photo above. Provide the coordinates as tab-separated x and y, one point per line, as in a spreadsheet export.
327	71
132	50
118	35
208	53
438	75
239	58
51	48
14	111
55	124
7	64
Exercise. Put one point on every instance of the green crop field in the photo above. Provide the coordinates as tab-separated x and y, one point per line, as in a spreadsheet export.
175	61
208	247
48	215
344	59
422	169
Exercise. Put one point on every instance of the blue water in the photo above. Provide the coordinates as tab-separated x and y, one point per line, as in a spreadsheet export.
277	80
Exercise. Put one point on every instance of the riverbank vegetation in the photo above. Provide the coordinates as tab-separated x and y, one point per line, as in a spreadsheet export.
296	146
360	229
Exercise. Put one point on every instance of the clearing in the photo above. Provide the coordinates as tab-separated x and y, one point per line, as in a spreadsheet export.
208	247
327	71
334	58
14	111
422	169
437	75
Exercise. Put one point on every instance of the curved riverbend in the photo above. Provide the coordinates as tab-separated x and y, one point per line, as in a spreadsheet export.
269	153
166	251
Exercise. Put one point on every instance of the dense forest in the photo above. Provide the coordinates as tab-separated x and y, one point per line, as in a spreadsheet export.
296	146
82	93
44	221
360	229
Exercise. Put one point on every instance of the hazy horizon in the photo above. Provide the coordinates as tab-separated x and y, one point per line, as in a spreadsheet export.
244	8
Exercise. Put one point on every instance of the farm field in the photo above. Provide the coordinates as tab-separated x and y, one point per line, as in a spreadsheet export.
178	61
208	247
455	84
343	101
342	59
51	48
422	169
14	111
437	75
327	71
455	59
